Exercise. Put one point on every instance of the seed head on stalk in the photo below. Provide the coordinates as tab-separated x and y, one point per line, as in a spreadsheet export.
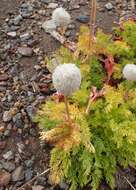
66	80
129	72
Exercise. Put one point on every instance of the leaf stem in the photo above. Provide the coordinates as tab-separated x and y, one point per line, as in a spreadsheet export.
88	106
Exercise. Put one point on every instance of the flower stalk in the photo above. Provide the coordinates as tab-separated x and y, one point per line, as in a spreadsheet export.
93	17
67	109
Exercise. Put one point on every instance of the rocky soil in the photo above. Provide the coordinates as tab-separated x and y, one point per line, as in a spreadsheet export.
25	82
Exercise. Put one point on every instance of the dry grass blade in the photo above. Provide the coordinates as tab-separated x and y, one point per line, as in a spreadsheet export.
129	183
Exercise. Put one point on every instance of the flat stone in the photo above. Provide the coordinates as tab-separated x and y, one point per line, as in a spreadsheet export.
8	155
12	34
83	18
4	178
25	51
8	166
7	116
37	187
18	174
25	36
52	5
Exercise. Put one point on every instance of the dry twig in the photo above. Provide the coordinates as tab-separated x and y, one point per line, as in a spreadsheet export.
129	183
35	177
68	44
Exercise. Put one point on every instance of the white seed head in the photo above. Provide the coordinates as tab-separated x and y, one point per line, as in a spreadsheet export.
49	26
129	72
61	17
66	78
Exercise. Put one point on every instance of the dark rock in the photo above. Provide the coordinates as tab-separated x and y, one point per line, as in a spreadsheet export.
9	166
28	174
33	132
41	180
18	122
29	163
30	111
83	18
26	10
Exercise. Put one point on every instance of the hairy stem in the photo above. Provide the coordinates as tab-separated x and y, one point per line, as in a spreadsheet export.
93	17
67	109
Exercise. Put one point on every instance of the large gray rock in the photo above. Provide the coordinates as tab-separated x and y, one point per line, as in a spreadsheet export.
8	166
18	174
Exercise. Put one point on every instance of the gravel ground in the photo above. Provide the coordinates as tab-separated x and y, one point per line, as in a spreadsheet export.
25	82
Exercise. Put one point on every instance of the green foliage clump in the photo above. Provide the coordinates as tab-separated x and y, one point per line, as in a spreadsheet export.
128	33
96	74
113	124
89	149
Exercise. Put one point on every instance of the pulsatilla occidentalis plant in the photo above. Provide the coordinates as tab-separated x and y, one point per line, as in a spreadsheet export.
129	72
88	146
66	80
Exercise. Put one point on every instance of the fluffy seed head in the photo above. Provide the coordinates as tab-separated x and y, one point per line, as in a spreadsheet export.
49	26
129	72
61	17
66	78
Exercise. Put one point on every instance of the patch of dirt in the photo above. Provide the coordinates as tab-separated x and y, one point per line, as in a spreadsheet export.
7	7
